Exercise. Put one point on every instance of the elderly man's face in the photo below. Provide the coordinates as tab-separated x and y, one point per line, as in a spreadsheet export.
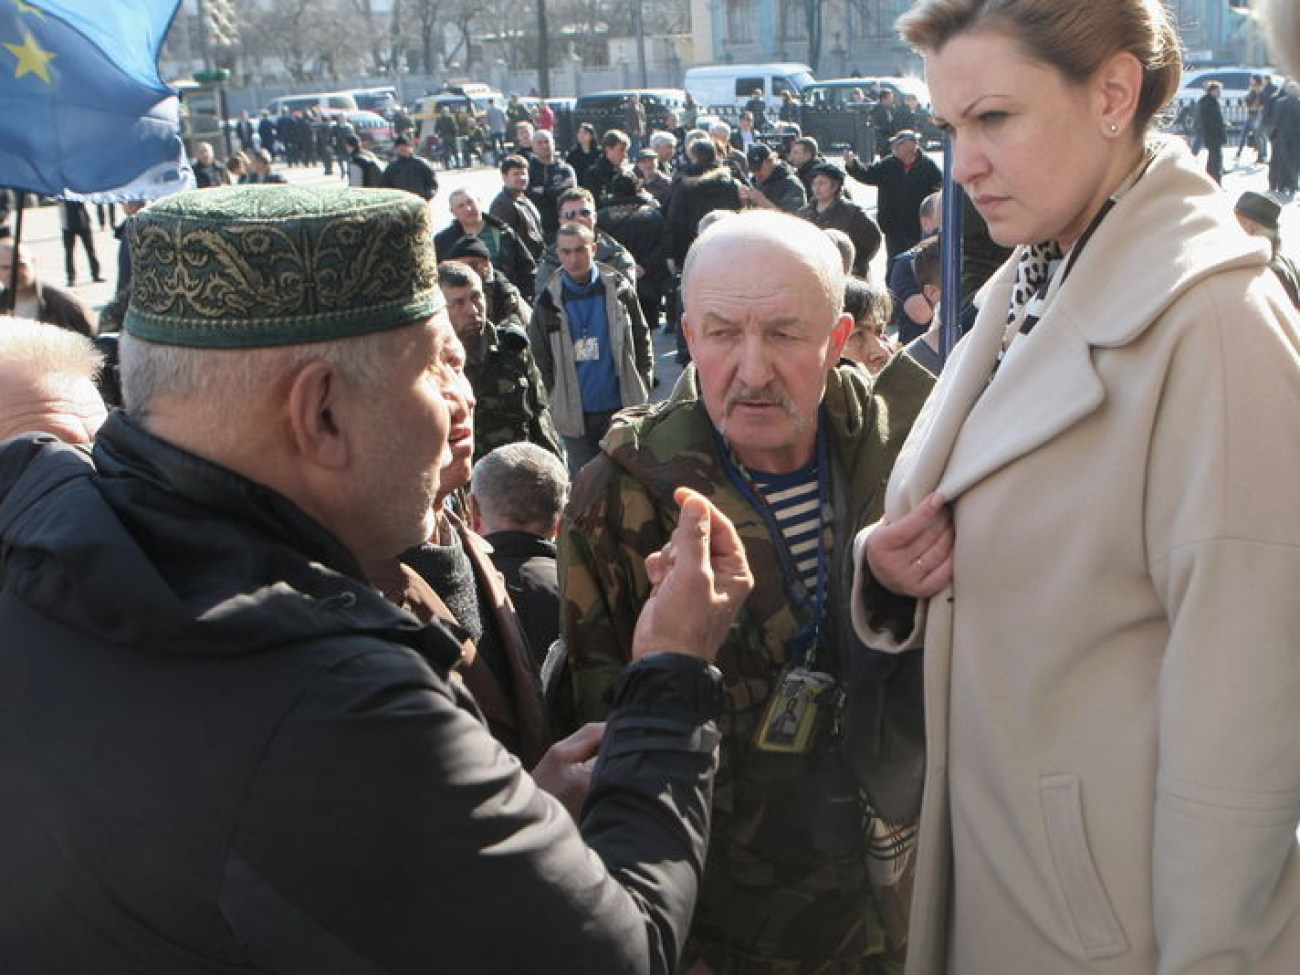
543	146
763	335
66	407
665	150
405	441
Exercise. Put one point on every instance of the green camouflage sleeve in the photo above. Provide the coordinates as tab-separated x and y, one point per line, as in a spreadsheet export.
602	578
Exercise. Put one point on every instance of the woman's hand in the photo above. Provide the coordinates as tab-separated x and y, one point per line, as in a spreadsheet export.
913	556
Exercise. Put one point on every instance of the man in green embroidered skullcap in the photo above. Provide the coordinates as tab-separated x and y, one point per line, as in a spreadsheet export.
220	747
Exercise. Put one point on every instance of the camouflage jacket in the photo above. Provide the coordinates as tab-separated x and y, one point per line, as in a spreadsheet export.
511	397
785	890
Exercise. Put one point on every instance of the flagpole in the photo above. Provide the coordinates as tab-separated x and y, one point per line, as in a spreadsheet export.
950	256
11	301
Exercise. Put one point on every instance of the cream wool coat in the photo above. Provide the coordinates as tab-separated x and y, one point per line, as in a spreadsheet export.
1113	679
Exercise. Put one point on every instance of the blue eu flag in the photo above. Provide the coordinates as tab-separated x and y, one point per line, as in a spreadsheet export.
83	112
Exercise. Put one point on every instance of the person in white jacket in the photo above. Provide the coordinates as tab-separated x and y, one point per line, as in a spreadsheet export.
1092	530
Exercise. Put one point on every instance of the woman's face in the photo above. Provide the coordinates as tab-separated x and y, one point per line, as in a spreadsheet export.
1034	152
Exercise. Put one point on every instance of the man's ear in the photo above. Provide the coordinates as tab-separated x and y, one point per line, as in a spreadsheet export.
316	409
840	337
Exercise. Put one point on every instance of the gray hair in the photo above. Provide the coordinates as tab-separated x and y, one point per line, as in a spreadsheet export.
47	350
720	130
520	485
219	385
662	139
805	243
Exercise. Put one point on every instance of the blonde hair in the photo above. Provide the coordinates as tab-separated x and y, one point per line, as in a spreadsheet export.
1072	36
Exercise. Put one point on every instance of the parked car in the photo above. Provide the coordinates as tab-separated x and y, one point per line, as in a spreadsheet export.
1181	113
373	131
831	116
604	109
381	101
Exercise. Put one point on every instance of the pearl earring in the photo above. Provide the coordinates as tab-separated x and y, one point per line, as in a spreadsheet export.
1113	128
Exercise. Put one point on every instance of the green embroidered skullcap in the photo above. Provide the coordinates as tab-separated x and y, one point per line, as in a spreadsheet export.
251	266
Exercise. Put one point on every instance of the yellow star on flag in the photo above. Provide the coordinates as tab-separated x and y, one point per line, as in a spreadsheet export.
31	59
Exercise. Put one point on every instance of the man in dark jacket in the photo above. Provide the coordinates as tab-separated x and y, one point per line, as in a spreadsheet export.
513	207
701	186
548	177
902	179
614	147
220	747
409	172
776	187
1211	129
634	219
511	400
508	253
515	498
805	156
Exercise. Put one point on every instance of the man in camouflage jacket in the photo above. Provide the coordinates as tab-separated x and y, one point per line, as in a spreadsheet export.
786	889
511	398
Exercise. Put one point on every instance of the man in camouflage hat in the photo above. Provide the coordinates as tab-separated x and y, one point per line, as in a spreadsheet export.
796	450
220	748
511	400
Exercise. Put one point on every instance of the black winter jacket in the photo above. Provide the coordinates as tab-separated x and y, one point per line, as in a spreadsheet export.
513	259
221	751
695	193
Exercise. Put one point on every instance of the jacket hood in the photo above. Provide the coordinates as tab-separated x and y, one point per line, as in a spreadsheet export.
143	544
719	174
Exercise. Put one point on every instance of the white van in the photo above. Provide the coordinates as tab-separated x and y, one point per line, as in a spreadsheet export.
332	104
722	89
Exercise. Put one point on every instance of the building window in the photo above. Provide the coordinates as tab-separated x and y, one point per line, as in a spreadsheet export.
740	21
794	20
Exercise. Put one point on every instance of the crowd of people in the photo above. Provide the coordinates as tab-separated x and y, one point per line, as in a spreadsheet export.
362	612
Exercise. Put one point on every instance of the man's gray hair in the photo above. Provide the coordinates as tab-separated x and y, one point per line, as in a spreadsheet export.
47	350
216	385
803	241
520	485
720	130
662	139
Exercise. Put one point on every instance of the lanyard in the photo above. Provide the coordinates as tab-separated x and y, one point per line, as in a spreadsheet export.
802	646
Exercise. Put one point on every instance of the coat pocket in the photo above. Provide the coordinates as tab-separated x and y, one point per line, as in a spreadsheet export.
1095	924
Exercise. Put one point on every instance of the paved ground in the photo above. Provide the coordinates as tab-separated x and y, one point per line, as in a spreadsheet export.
43	237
